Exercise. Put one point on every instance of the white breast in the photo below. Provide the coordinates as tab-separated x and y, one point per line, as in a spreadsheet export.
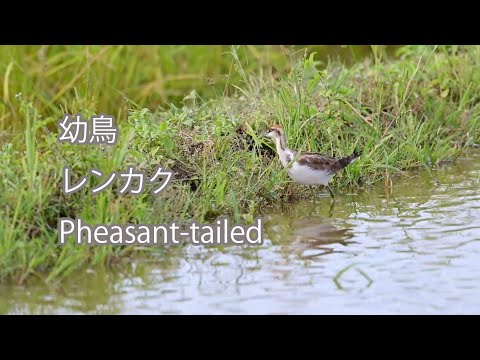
304	175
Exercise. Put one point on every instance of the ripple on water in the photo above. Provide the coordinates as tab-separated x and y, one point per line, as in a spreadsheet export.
413	250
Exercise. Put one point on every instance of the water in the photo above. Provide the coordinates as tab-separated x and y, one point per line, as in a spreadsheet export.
412	249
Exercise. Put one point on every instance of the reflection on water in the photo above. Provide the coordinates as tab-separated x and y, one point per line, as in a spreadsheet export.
412	249
307	236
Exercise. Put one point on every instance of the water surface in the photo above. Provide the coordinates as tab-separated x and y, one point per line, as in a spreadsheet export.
412	249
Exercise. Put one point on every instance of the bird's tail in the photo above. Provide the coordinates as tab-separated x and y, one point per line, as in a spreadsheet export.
343	162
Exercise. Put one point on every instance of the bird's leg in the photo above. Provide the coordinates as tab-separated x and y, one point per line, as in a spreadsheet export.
331	192
313	193
332	206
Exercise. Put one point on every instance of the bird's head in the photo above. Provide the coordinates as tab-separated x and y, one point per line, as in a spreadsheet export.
274	132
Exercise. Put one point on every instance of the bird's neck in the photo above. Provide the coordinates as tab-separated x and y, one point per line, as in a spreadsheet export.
282	149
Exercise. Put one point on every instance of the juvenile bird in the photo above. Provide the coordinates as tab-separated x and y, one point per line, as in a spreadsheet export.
307	168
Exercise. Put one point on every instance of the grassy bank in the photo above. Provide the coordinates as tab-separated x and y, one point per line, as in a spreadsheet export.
112	79
415	111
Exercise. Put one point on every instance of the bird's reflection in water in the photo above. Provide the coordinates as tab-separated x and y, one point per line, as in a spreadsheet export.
316	233
307	236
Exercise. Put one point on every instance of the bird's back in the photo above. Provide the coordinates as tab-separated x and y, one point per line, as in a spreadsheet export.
326	163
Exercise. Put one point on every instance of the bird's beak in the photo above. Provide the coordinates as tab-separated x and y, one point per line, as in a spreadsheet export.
264	134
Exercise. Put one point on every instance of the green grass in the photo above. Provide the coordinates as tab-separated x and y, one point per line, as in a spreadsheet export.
410	112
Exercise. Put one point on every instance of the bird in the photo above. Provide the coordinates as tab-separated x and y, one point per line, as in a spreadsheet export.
308	168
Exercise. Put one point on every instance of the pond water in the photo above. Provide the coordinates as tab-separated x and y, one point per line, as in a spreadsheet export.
411	249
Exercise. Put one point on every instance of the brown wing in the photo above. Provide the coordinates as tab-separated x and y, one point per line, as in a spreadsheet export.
318	162
327	157
325	162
